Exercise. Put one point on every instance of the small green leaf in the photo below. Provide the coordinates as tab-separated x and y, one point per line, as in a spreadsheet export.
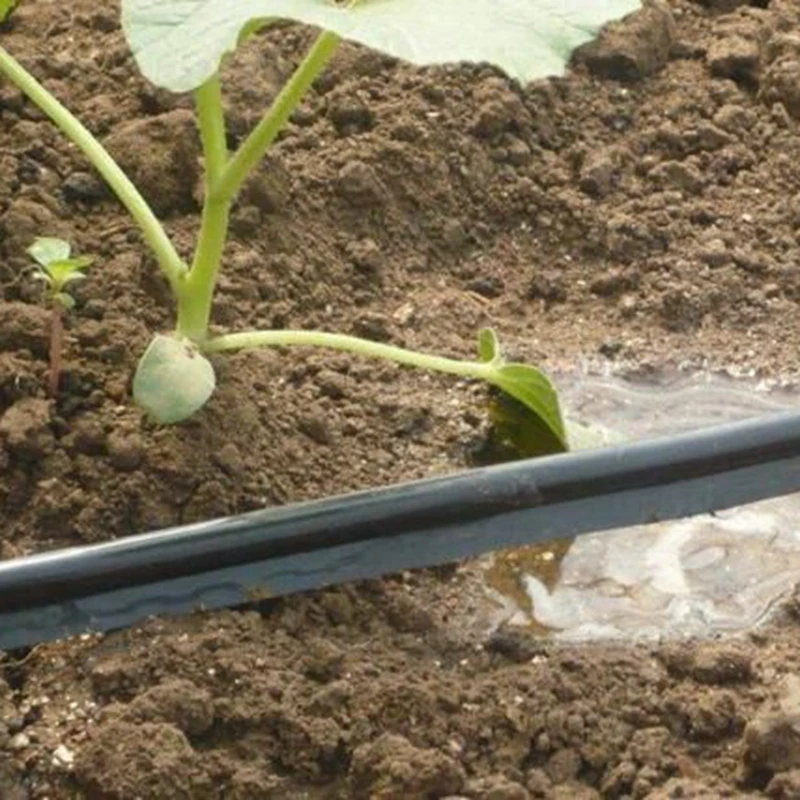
38	274
173	380
516	432
6	7
488	345
81	262
57	274
63	272
179	44
530	387
524	408
64	300
47	249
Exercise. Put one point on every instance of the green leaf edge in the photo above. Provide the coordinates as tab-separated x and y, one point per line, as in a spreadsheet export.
347	22
6	7
48	249
516	380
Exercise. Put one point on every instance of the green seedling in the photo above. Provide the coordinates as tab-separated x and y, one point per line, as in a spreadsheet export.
56	269
180	45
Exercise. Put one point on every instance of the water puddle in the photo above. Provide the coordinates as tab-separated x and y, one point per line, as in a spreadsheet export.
696	577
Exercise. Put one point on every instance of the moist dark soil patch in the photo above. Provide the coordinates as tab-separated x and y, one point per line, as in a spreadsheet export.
644	209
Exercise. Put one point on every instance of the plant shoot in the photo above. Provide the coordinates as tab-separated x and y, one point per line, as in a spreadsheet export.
180	45
56	269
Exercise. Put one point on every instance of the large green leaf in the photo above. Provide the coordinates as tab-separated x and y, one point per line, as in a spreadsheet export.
178	44
173	380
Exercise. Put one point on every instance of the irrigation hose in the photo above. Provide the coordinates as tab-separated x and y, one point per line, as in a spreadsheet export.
239	560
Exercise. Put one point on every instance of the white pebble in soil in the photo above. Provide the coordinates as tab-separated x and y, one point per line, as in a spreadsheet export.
19	741
63	757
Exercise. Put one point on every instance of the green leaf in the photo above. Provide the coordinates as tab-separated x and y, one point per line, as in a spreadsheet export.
179	44
525	411
64	300
63	272
532	388
56	268
80	262
39	274
6	7
47	249
488	346
516	432
173	380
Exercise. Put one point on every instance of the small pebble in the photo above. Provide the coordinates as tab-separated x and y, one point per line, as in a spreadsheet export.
83	187
19	741
63	756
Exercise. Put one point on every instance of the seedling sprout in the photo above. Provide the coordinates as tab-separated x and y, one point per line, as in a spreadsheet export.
56	269
180	45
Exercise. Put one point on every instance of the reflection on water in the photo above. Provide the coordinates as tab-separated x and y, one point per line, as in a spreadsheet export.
697	576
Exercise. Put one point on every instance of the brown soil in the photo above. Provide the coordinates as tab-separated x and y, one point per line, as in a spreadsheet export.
644	209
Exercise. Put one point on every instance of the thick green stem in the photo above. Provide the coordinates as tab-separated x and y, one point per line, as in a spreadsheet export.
351	344
170	262
211	122
224	178
264	134
194	302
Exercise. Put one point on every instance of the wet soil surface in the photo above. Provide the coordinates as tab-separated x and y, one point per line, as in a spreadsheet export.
643	212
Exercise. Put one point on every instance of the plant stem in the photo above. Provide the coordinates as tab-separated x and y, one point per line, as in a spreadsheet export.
264	134
224	178
170	262
56	345
352	344
211	122
196	297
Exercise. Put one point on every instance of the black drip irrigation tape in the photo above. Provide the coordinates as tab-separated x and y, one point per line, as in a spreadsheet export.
239	560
